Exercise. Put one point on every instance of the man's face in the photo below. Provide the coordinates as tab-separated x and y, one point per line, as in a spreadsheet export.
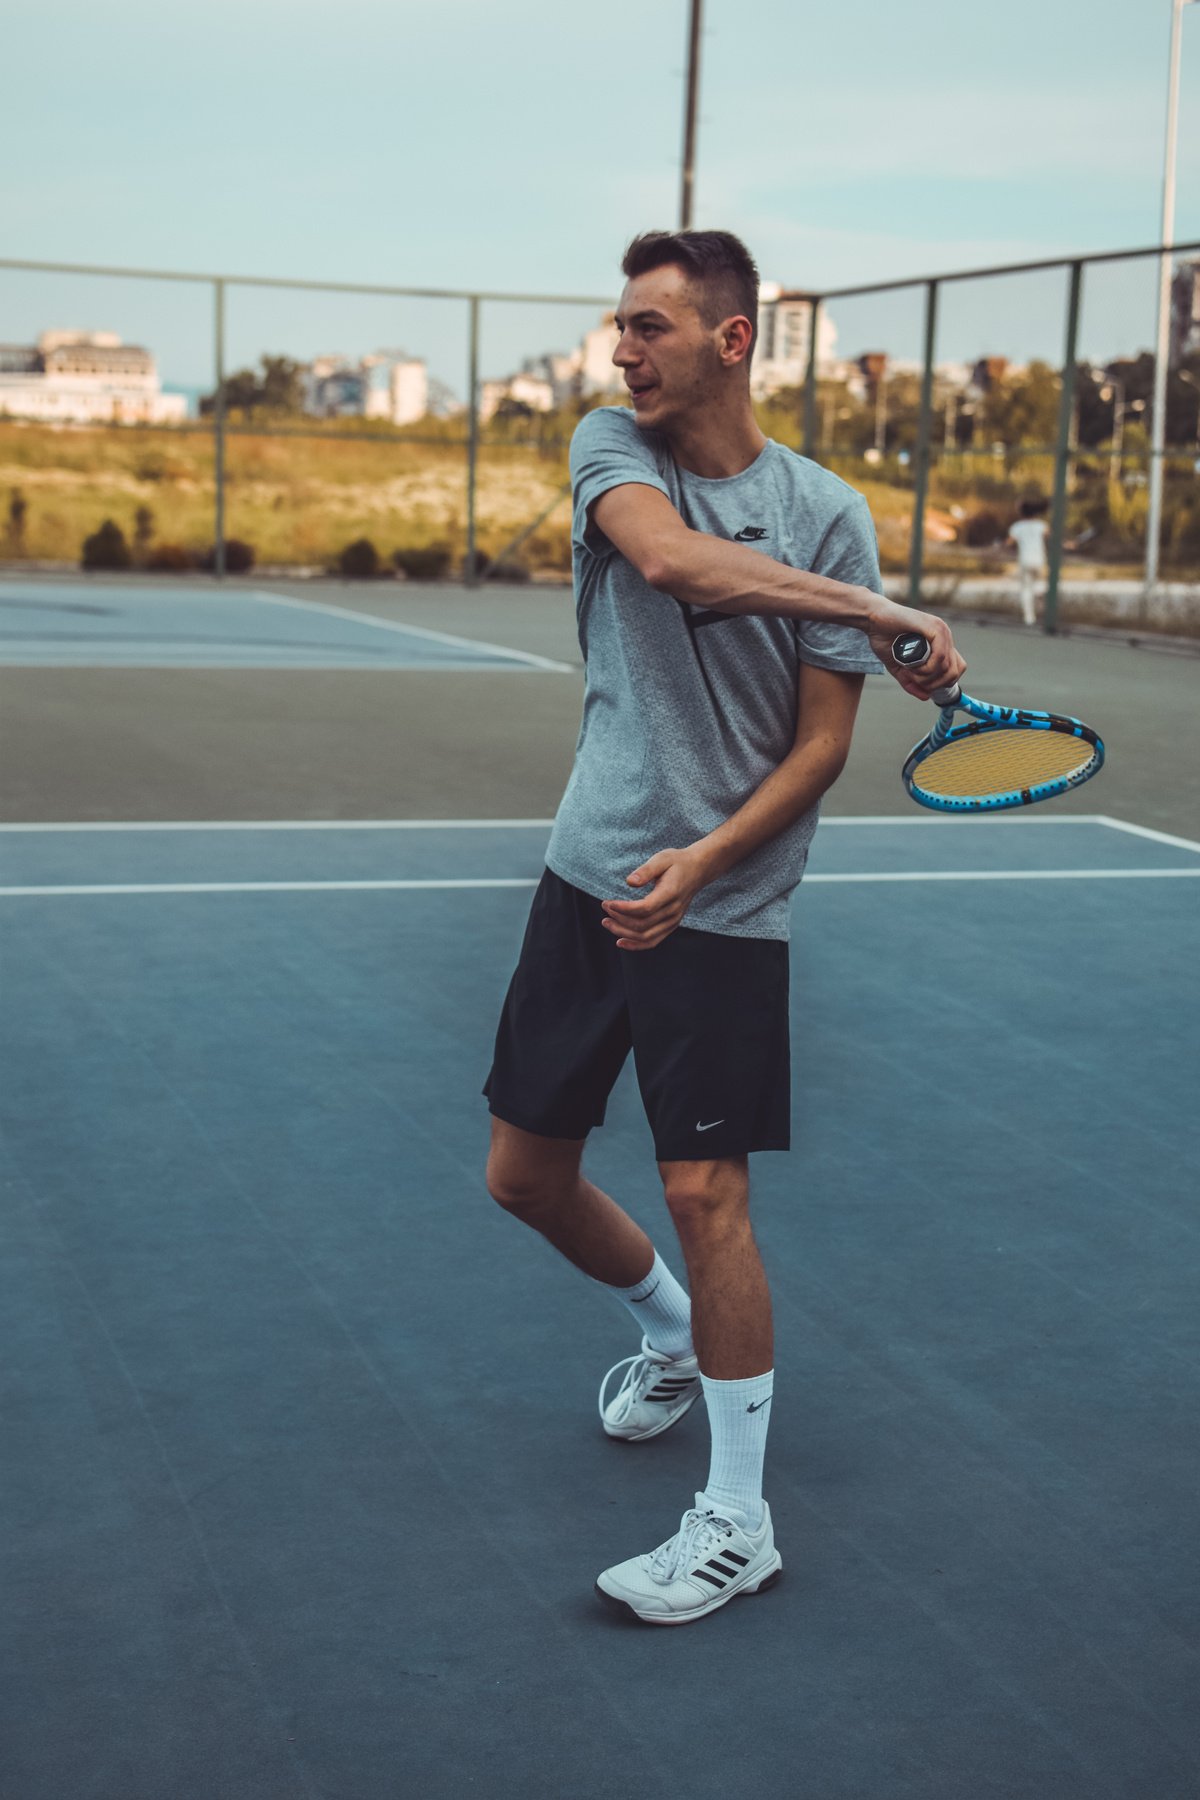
668	355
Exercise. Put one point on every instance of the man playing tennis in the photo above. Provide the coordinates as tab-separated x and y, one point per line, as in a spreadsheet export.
727	593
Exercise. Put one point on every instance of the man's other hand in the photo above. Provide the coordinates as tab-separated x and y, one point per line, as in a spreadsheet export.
678	876
944	665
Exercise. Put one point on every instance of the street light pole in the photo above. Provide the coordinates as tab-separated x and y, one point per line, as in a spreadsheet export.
689	123
1162	344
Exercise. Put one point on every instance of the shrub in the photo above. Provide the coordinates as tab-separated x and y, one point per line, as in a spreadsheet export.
508	571
359	560
483	563
106	548
983	529
18	508
428	563
239	557
171	559
152	466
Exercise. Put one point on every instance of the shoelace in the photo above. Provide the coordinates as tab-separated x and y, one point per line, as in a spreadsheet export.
697	1533
628	1394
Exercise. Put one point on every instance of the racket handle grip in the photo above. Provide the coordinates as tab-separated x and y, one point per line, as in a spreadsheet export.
910	650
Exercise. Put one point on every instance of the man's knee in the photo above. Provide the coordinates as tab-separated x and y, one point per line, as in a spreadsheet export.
527	1173
707	1197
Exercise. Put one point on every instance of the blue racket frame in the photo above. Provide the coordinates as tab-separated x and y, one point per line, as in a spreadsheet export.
986	718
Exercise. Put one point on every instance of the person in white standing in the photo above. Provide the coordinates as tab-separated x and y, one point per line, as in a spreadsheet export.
1028	536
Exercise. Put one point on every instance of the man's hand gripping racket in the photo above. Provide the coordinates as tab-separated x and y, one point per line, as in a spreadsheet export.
1002	756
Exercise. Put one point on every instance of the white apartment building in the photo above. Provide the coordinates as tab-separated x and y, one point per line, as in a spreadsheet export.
527	388
784	333
84	378
388	384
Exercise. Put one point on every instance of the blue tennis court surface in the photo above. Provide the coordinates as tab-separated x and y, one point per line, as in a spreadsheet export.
308	1480
148	627
246	855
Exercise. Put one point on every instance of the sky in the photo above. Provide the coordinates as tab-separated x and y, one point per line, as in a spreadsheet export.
516	145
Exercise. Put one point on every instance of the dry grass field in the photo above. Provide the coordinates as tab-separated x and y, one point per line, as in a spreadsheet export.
299	498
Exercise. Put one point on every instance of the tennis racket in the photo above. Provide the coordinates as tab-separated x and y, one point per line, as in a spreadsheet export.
1001	756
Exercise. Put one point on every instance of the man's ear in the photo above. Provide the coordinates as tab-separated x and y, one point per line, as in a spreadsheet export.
736	334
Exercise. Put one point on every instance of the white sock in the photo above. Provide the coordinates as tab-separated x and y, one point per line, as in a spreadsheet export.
661	1308
738	1413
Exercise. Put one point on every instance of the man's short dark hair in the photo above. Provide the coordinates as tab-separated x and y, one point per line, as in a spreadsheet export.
1033	506
717	264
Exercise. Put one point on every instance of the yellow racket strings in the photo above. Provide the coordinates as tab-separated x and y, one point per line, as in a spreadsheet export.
1001	762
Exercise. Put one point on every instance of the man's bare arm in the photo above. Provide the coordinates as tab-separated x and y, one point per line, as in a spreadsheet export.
828	704
710	571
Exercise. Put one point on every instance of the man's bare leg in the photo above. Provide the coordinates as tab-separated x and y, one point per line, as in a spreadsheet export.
728	1542
731	1302
538	1180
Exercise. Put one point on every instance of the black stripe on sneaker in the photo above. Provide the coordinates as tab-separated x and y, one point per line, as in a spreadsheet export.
732	1556
714	1562
711	1579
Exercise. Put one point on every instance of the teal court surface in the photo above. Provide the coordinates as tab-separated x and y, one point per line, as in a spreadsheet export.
304	1486
69	625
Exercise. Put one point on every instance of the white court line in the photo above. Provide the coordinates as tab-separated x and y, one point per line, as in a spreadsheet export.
1144	831
422	631
531	824
295	825
270	667
266	887
310	887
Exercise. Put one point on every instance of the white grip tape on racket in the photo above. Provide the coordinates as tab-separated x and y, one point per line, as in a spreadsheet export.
910	650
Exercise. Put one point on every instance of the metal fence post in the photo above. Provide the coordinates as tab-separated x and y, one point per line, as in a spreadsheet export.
810	381
916	555
1062	453
219	427
472	573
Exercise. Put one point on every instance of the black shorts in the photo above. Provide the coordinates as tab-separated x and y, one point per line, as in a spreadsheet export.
705	1014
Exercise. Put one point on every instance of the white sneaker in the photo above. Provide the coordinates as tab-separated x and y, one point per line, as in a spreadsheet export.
656	1391
707	1562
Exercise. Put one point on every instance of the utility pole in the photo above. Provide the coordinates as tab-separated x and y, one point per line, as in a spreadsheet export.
1158	420
689	124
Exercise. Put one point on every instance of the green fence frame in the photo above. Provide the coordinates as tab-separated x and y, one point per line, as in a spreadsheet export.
475	299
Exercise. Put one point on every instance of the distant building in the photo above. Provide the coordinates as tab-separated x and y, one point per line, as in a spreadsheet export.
784	333
1185	310
84	378
597	372
542	384
388	384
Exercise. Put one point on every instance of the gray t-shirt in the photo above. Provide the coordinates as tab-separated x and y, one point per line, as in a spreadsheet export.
687	710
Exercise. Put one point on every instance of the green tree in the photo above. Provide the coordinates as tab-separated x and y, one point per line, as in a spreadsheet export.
240	390
282	386
1021	409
